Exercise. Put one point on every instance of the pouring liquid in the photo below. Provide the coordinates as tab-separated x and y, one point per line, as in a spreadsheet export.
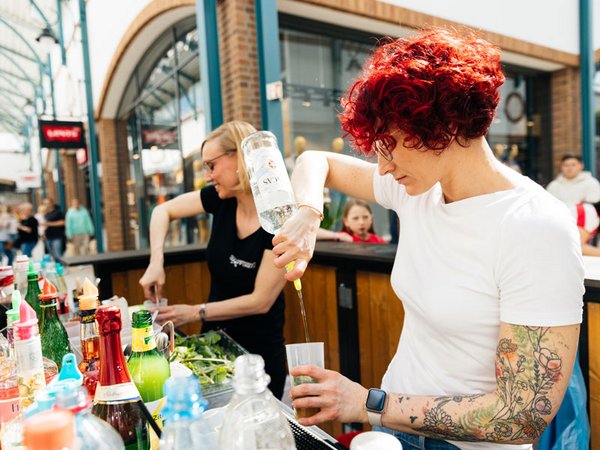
303	311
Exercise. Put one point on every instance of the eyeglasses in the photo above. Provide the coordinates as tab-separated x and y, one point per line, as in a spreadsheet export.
384	145
209	166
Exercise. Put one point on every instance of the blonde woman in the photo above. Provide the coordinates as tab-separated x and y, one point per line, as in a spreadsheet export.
245	294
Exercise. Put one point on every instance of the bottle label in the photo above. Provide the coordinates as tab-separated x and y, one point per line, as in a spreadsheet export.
270	171
9	408
116	393
87	315
142	339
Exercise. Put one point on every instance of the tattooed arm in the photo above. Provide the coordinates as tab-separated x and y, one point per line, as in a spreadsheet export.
533	367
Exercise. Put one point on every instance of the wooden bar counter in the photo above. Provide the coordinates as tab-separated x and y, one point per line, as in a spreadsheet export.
349	301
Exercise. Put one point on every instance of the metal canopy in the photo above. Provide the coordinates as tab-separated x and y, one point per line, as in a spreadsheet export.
23	61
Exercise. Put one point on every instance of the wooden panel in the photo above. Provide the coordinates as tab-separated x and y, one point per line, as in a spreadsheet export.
320	299
594	371
185	284
380	321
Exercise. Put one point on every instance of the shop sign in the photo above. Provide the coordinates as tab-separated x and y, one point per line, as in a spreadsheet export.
160	136
28	180
61	134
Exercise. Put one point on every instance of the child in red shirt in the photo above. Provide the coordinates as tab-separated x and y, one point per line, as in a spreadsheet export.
358	222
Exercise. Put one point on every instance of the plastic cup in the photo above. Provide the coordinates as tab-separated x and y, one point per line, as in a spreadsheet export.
151	304
310	353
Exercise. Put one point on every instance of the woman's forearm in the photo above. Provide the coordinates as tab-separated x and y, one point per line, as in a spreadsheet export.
244	305
309	177
159	227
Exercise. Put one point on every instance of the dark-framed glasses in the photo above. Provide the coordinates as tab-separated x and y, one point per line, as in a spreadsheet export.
209	165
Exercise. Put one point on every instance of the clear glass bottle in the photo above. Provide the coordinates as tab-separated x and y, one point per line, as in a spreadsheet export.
55	340
90	344
94	433
270	183
117	400
185	427
253	419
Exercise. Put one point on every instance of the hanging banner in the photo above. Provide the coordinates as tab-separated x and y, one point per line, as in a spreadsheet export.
161	136
61	134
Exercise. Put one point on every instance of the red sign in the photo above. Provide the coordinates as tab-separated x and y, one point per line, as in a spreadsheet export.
61	134
159	135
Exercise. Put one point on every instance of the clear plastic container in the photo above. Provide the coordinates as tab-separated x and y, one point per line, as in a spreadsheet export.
93	433
185	425
253	419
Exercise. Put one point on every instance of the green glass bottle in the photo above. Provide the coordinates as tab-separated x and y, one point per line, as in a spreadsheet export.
55	340
148	368
33	291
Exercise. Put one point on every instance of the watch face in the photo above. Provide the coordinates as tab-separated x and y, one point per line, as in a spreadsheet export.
376	400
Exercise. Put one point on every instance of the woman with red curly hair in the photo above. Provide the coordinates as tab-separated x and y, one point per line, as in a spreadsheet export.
488	265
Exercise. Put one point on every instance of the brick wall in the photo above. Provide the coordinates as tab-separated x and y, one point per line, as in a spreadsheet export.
239	61
566	114
112	138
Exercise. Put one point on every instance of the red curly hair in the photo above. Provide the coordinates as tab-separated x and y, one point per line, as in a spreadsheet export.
435	87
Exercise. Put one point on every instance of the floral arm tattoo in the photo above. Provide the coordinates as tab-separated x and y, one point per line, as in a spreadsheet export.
533	367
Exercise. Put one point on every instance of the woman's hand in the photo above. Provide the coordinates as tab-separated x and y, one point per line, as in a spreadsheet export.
336	396
153	281
178	314
296	241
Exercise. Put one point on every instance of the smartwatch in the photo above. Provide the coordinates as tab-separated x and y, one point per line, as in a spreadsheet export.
376	402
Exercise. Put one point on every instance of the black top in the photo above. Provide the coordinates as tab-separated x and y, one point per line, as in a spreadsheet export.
55	232
233	264
29	237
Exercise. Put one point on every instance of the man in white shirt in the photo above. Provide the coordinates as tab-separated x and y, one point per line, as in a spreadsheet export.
574	185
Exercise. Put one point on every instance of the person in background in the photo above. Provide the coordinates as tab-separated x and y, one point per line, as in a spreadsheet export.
574	185
27	228
246	298
488	267
358	222
5	237
55	228
79	227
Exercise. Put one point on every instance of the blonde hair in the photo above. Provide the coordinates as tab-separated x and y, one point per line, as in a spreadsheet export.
230	136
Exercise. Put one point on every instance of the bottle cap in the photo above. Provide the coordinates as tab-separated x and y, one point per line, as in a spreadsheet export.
26	327
87	303
69	369
249	374
59	269
49	291
184	398
12	315
49	430
89	290
108	318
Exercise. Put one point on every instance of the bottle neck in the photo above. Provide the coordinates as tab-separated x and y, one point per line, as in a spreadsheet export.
33	290
49	309
90	341
113	368
142	339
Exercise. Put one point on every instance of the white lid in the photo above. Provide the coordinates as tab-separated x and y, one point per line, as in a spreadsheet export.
375	440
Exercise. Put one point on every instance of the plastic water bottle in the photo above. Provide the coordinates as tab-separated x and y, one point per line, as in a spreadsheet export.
185	426
253	420
94	433
270	183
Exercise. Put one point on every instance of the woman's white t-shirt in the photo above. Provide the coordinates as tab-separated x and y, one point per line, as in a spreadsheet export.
462	268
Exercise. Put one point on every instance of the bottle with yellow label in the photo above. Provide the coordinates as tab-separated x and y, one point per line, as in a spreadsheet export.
147	366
